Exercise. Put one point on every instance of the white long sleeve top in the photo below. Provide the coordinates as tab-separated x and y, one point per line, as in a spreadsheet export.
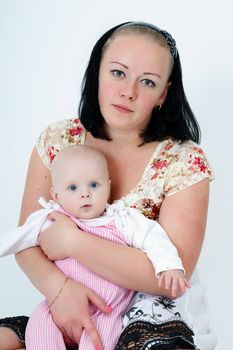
138	231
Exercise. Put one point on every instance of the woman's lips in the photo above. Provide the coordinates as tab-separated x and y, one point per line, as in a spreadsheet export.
122	109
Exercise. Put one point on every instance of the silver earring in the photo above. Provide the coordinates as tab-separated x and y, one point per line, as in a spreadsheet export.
158	107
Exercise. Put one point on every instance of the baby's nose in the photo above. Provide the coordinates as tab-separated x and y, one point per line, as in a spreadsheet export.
85	195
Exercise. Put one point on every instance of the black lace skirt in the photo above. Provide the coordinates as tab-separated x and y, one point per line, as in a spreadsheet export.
141	335
138	335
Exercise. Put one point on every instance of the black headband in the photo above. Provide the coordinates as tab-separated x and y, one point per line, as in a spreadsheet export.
169	39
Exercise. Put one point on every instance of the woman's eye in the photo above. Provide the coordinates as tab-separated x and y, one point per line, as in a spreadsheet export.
72	187
148	82
117	73
93	184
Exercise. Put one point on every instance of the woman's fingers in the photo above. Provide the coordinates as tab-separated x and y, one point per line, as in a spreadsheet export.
70	312
93	334
55	240
75	335
69	340
98	302
77	332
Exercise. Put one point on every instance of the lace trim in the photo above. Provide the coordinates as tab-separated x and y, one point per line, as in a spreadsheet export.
141	335
16	324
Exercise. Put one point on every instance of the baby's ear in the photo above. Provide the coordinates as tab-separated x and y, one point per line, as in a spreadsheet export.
53	193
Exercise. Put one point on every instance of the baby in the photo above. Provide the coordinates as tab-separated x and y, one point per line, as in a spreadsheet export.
80	190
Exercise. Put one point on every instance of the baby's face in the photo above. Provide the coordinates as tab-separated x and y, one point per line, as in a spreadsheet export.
82	187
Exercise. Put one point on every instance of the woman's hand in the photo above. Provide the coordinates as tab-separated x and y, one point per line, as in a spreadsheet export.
57	240
70	312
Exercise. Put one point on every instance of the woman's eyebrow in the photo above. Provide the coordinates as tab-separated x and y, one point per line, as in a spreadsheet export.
121	64
145	73
155	74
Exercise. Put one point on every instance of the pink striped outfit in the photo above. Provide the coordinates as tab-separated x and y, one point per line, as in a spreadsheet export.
43	334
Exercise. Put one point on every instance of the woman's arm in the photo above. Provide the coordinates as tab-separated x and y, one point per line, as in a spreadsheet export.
183	216
123	265
38	184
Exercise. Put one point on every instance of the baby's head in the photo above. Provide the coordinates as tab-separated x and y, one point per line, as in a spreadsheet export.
80	181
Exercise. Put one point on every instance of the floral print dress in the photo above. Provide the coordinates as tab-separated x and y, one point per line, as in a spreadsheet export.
172	168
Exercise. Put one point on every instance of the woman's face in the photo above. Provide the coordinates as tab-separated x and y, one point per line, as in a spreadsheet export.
133	79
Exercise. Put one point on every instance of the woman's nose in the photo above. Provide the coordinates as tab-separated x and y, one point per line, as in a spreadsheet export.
128	90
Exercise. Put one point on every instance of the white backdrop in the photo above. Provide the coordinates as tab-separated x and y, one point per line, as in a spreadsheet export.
44	48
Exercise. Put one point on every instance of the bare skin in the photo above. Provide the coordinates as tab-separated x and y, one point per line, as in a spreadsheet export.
9	339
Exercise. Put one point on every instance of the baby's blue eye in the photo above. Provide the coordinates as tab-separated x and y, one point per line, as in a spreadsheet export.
93	184
72	187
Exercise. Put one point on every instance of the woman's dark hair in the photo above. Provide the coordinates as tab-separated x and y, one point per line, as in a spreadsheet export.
174	120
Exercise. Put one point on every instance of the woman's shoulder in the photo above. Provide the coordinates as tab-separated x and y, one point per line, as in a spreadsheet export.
173	167
187	154
186	164
58	136
177	148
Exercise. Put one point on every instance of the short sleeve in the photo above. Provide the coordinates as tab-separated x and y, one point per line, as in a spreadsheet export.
189	166
58	136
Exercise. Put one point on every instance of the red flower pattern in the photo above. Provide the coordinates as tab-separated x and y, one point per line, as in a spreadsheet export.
197	161
76	131
158	165
52	152
146	197
72	132
148	208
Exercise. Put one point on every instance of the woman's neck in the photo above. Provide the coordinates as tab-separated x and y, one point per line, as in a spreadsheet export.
125	138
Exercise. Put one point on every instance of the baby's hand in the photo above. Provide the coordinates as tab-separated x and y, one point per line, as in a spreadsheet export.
173	279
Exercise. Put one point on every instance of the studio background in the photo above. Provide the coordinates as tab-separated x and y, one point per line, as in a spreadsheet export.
44	49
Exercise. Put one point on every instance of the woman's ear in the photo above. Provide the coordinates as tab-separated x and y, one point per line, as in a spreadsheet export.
53	194
164	94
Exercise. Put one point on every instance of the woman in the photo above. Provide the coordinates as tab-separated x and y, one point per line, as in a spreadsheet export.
133	109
